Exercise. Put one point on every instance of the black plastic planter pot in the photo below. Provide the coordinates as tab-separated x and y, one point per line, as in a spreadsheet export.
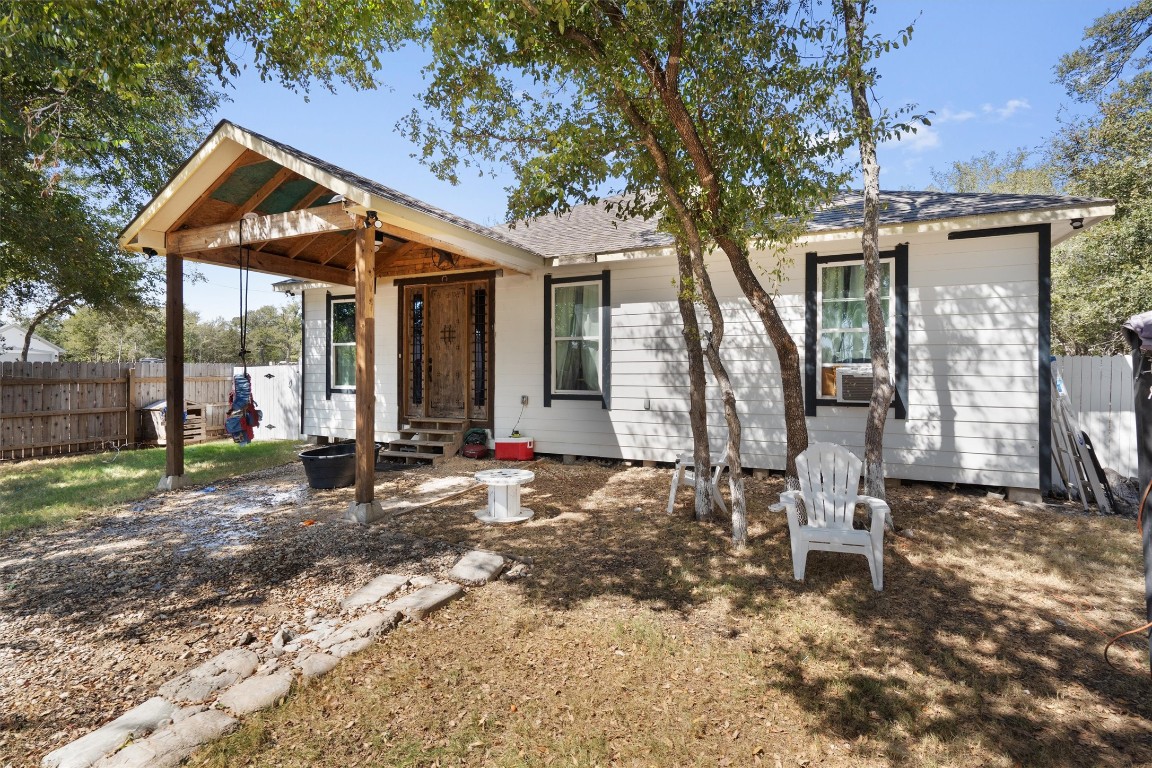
332	466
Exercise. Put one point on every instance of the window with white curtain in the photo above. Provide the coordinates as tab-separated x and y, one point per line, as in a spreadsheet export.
342	342
577	339
843	332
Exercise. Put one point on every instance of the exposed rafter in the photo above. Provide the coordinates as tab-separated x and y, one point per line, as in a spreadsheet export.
270	186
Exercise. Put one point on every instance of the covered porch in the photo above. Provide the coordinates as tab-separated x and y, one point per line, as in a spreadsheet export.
251	203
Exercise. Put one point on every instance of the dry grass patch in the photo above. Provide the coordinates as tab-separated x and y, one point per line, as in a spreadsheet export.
643	639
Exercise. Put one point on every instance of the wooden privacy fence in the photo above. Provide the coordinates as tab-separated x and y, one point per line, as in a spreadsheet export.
54	408
1100	389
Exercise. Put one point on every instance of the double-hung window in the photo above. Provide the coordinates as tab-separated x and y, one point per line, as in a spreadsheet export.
578	340
342	345
838	368
844	330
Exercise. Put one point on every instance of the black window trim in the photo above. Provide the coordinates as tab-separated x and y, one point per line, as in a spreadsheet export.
330	390
605	394
813	262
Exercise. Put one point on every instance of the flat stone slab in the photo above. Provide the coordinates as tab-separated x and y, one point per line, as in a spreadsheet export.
315	664
134	723
201	683
255	693
171	746
369	625
350	647
477	568
374	591
424	601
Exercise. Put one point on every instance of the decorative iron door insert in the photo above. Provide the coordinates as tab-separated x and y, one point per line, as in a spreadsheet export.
446	349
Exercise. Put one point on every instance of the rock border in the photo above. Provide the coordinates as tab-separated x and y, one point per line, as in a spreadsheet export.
206	702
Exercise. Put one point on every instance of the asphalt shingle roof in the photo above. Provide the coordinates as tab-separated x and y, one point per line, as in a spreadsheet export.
590	229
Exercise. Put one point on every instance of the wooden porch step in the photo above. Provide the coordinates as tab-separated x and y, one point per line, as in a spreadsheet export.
449	425
410	434
411	457
439	444
426	441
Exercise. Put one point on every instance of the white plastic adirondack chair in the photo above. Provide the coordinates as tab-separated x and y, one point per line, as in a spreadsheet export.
829	481
685	474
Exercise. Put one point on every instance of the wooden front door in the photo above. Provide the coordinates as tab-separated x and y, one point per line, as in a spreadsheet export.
446	349
447	363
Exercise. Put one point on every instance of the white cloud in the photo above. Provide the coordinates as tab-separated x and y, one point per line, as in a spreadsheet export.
926	137
1011	107
948	116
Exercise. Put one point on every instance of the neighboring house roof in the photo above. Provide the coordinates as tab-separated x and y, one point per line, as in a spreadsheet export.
590	229
37	342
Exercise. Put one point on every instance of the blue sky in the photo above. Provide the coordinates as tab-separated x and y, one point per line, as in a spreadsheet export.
984	67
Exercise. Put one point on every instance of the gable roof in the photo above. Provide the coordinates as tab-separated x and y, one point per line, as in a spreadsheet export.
375	188
36	340
590	229
236	171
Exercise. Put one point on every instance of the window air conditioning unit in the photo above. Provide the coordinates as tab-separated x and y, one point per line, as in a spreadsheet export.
854	384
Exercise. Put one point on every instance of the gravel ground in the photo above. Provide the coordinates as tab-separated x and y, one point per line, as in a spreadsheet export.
95	616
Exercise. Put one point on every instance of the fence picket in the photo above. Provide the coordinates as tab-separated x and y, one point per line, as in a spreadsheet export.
51	408
1100	389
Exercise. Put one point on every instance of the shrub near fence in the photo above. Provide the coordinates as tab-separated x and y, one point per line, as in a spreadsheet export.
55	408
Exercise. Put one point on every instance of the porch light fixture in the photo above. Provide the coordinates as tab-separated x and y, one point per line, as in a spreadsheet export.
373	219
1077	223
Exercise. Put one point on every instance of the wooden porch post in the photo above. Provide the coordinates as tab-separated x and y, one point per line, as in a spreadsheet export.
174	375
365	508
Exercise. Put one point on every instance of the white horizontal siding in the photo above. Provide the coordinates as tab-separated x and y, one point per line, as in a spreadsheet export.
972	401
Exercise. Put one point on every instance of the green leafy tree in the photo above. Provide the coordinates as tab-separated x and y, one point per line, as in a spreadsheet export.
1019	172
1100	277
100	101
1105	276
709	117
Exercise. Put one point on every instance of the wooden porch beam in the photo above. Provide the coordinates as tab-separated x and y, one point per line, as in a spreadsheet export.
276	226
308	199
272	264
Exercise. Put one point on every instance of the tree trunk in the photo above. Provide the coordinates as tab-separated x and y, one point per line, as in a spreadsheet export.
792	383
882	390
698	403
60	304
715	339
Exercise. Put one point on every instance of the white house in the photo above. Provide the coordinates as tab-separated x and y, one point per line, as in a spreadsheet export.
568	329
39	350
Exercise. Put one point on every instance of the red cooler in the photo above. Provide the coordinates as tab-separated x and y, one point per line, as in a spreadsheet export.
515	449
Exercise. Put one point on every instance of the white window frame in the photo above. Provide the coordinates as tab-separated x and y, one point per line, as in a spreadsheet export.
332	345
598	338
890	325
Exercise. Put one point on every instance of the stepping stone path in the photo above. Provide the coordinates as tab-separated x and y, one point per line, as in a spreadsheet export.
161	733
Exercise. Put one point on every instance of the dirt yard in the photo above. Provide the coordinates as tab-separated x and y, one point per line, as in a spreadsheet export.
637	639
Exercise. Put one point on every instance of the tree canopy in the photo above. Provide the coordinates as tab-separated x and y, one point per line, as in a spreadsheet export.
1100	277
